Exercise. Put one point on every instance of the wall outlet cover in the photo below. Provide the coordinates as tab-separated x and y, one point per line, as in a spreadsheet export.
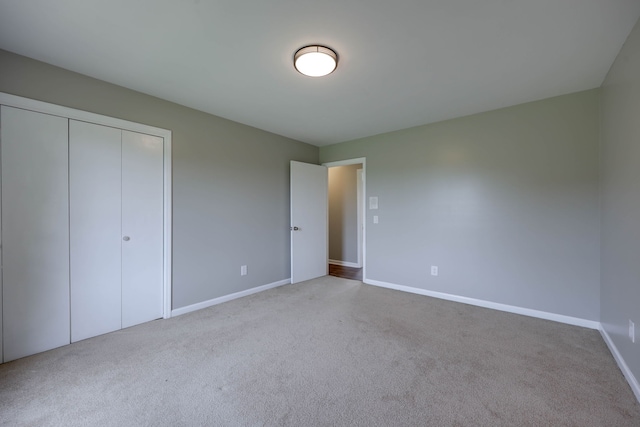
434	270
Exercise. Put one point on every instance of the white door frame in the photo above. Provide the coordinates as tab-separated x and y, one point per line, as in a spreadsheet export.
71	113
360	212
362	246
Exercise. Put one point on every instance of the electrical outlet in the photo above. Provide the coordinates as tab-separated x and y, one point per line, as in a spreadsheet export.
632	331
243	270
375	219
434	270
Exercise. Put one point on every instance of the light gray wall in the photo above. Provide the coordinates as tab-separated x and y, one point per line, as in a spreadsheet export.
343	213
620	293
505	203
230	181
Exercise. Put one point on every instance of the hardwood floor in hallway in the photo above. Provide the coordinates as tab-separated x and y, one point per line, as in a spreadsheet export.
345	272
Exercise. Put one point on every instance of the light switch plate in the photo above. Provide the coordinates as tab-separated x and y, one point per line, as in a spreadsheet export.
373	202
375	219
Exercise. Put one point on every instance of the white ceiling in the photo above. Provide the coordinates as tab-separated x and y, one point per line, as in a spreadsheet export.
402	63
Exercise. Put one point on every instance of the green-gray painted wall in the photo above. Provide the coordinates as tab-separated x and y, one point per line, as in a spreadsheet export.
505	203
620	294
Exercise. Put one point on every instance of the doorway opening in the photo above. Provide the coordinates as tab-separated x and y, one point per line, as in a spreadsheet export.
346	195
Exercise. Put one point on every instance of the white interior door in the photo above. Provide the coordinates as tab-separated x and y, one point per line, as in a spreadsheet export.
95	218
41	225
142	228
35	232
309	218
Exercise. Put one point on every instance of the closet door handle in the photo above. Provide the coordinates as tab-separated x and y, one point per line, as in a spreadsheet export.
126	238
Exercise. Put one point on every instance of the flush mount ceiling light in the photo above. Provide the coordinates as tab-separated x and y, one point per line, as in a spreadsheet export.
315	61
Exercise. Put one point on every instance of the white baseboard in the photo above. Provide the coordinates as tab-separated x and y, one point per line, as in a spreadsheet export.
631	379
591	324
225	298
344	263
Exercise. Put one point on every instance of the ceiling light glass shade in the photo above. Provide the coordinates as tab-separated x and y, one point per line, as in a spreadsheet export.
315	61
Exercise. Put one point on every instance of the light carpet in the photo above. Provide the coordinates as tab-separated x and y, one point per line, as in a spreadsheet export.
328	352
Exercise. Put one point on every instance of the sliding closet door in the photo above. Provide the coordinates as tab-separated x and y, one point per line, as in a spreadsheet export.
142	228
95	211
35	232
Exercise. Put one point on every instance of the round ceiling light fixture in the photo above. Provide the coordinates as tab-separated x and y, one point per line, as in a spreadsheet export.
315	61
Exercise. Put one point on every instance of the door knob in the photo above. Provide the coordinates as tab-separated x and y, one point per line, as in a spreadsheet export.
126	238
295	228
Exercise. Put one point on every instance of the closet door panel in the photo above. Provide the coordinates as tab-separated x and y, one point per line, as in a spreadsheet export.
142	224
95	218
35	232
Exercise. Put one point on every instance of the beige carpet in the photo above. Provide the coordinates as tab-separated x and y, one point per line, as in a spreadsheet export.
328	352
